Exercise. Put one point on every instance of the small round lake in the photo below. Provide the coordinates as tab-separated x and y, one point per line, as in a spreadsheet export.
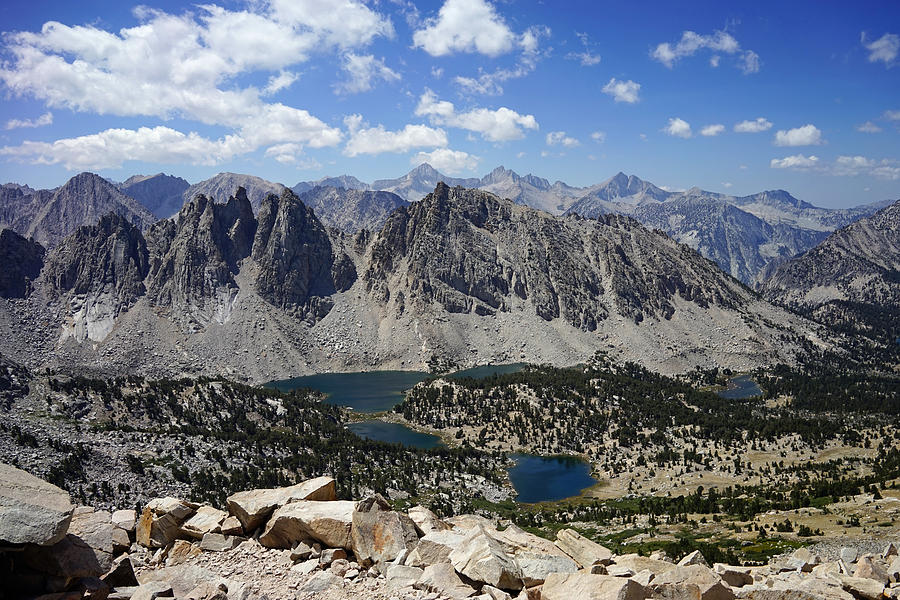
549	478
741	387
394	433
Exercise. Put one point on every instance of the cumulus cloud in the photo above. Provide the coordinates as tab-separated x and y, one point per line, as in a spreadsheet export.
797	161
843	166
472	26
808	135
452	162
112	147
42	121
678	128
559	138
718	42
892	115
884	49
363	70
377	140
292	155
281	81
491	83
868	127
712	130
500	125
755	126
189	66
599	136
622	91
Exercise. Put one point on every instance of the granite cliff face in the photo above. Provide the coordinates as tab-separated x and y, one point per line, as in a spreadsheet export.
298	266
194	259
351	209
852	279
22	261
470	251
97	273
161	194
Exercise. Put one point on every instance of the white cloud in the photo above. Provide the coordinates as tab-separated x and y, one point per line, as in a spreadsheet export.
884	49
727	184
868	127
678	128
465	26
750	62
500	125
112	147
292	154
843	166
851	166
555	138
622	91
41	121
189	66
892	115
585	58
599	136
451	162
712	130
279	82
797	161
714	60
808	135
692	42
377	140
755	126
491	83
362	73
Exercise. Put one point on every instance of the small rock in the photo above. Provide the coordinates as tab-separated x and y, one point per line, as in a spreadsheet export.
848	555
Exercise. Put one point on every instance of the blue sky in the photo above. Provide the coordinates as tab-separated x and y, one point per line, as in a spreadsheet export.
731	97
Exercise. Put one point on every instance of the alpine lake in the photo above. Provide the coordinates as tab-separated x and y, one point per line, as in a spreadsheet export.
535	478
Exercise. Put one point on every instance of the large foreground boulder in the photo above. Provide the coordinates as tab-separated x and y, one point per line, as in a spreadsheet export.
380	534
325	522
481	558
253	507
587	586
712	586
32	511
582	550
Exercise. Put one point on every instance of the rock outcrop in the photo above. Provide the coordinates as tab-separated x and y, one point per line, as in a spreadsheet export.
22	262
32	511
331	548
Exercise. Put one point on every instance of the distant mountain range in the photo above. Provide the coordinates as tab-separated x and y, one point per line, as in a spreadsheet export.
746	236
850	281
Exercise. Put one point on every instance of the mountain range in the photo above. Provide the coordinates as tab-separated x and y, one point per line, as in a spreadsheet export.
746	236
462	275
850	281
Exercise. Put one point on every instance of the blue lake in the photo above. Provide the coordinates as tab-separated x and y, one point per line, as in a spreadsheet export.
549	478
741	387
368	392
377	391
394	433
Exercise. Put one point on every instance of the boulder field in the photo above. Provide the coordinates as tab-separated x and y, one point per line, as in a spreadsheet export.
302	542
